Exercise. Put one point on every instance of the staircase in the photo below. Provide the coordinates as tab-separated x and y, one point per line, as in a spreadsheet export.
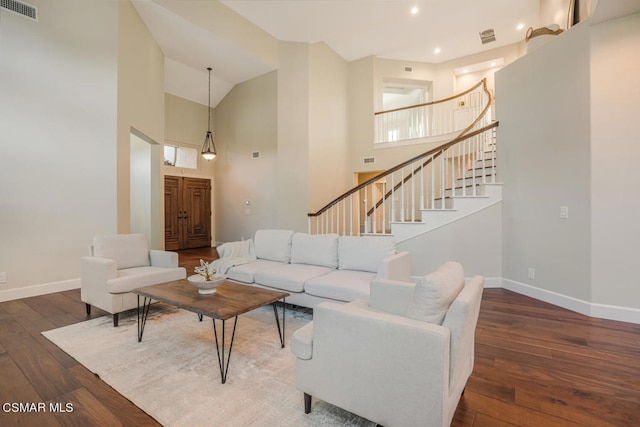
433	189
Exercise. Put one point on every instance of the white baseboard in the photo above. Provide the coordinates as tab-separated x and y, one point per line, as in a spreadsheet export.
603	311
35	290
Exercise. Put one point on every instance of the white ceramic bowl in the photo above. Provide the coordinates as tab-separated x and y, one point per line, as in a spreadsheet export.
206	287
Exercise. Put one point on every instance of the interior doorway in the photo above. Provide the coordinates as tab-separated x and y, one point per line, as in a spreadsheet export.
144	187
369	196
187	213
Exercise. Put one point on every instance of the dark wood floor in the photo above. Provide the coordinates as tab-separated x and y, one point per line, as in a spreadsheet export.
536	365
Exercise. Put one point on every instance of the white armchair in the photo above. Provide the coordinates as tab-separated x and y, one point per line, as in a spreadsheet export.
120	264
375	361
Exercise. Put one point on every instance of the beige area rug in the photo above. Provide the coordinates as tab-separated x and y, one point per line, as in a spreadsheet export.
173	374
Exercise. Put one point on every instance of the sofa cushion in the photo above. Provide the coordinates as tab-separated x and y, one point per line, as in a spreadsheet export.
302	342
435	292
289	277
137	277
246	272
273	245
316	249
364	253
341	285
128	250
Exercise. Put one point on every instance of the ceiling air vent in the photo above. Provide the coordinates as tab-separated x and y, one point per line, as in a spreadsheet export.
20	8
255	155
488	36
369	160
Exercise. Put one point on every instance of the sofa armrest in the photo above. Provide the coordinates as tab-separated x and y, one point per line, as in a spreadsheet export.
163	259
384	363
391	296
396	267
96	271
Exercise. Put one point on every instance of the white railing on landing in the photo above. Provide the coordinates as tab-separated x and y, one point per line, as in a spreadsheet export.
425	182
445	117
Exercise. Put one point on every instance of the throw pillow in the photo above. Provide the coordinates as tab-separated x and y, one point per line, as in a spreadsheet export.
433	295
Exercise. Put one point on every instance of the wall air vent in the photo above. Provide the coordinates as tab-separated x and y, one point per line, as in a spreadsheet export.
367	160
408	69
255	155
20	8
488	36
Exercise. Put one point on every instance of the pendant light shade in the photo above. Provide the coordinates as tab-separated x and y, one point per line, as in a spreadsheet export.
209	148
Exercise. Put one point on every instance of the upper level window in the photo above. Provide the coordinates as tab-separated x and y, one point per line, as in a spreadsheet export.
181	157
397	125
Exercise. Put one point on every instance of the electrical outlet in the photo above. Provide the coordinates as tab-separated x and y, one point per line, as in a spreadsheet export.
3	277
531	273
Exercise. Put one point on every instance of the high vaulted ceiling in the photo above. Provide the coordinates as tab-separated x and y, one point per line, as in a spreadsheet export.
235	37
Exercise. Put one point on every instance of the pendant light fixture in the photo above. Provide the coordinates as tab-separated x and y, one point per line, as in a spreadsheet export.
209	148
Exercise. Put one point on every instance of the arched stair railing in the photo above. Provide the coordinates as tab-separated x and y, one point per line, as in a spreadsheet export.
457	168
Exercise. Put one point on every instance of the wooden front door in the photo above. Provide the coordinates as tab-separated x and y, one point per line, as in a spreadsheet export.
187	213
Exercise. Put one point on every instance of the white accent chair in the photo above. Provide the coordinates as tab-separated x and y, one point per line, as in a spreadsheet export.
375	361
120	264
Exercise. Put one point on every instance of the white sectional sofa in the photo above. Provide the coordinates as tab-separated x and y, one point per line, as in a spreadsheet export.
313	268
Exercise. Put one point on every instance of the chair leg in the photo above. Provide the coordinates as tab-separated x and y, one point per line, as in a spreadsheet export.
307	403
115	320
88	307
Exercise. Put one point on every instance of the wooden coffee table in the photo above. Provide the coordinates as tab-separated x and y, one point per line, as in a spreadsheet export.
230	300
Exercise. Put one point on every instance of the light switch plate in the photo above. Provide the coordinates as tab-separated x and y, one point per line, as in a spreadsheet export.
564	212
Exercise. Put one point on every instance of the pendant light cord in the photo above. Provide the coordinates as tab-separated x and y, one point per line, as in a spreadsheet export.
209	123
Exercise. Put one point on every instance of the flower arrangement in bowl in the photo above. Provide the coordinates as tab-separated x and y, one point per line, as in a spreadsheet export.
206	279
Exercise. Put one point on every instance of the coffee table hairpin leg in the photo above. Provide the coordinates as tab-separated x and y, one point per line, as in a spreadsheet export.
220	343
142	317
275	312
224	368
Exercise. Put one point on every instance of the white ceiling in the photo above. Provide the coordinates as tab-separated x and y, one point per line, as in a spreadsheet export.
352	28
387	29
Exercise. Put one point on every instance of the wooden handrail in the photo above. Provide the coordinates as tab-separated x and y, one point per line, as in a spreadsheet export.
402	165
441	148
483	81
436	152
461	137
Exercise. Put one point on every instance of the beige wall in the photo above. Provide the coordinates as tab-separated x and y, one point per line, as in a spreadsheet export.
57	140
474	241
140	106
245	122
615	108
328	126
544	161
293	136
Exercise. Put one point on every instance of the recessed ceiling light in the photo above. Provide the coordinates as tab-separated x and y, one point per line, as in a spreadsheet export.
436	50
520	26
414	10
